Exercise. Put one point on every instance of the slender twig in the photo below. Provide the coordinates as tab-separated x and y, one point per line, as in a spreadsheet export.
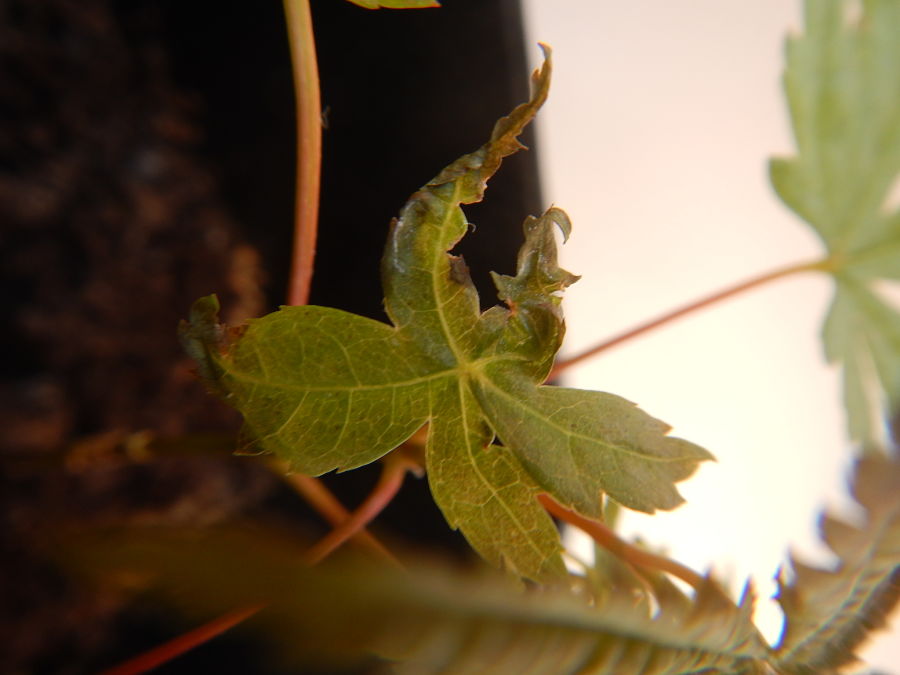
309	147
322	500
385	490
688	309
608	539
183	643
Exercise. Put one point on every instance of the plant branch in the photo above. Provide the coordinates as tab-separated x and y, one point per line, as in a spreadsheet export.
183	643
780	273
309	147
385	490
608	539
322	500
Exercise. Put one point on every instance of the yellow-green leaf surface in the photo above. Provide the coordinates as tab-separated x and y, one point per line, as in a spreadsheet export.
843	87
327	390
829	612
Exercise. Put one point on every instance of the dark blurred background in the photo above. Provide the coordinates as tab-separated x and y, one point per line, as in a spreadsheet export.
146	159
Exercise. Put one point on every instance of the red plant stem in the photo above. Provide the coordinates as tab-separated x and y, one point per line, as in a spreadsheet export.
687	309
608	539
183	643
385	490
309	148
320	498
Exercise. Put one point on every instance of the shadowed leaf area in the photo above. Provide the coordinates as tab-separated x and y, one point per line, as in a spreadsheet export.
325	389
431	619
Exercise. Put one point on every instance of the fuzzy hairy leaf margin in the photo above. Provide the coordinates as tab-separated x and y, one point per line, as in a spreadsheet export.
829	612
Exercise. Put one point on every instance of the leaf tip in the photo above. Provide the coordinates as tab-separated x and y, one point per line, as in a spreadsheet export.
201	334
562	220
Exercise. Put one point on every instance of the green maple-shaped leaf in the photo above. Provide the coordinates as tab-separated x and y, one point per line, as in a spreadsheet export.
829	612
328	390
843	87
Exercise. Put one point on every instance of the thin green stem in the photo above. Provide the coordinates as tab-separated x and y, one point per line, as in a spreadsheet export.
608	539
731	291
309	148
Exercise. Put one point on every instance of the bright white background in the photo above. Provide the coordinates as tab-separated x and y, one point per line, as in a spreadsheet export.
661	118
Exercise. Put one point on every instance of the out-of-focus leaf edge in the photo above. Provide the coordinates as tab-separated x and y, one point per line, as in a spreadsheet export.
829	613
429	618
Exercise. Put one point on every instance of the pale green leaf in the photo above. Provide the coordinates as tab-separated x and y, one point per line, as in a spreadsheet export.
843	87
578	444
863	331
328	390
828	613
